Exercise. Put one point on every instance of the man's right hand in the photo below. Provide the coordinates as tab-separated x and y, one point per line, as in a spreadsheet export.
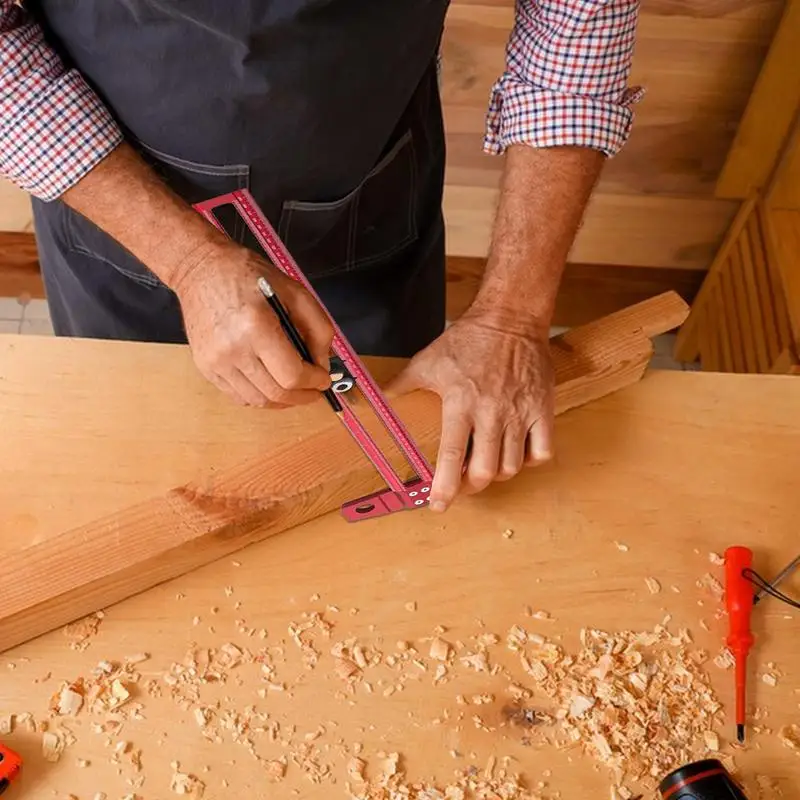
236	339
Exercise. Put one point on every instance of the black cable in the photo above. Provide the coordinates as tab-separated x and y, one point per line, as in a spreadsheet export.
767	587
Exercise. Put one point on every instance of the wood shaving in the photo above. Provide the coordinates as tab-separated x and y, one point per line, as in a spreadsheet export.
716	559
440	649
769	679
725	659
391	783
710	584
637	702
623	548
790	737
508	533
186	784
653	586
82	631
52	746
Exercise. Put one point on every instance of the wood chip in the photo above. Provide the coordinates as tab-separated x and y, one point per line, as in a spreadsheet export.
440	649
653	586
623	548
790	737
52	746
716	559
186	784
769	679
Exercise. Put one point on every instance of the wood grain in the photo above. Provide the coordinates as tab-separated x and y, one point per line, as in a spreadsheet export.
200	521
647	231
675	467
19	265
770	113
698	61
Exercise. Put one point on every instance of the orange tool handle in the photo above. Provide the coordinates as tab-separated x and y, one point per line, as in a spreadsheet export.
739	602
738	598
10	765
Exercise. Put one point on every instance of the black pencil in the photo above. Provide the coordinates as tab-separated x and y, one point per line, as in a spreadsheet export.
294	335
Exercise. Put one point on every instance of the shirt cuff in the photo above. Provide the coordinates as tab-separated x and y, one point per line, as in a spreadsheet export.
58	138
522	114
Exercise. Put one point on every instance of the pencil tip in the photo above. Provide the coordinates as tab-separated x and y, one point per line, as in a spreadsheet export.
740	733
266	287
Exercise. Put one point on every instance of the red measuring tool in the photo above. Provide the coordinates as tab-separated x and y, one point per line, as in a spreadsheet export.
346	370
739	603
10	765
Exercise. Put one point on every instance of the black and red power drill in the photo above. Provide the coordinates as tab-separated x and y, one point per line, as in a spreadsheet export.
10	765
701	780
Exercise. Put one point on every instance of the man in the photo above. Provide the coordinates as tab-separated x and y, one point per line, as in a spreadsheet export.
116	115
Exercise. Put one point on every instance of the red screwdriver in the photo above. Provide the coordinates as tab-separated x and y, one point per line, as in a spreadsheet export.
739	602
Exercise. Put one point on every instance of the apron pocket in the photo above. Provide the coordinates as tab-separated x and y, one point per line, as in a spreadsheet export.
373	222
192	181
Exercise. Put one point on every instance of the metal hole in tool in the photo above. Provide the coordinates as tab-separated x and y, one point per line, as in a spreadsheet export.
342	386
365	508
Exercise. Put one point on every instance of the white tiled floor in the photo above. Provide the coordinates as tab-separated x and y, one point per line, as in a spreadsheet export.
32	317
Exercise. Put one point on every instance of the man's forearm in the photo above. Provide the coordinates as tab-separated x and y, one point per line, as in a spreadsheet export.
124	197
543	196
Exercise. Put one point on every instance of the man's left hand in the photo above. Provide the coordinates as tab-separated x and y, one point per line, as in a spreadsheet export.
496	384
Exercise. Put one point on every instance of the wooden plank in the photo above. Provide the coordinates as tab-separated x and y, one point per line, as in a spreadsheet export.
741	311
786	363
769	115
709	335
686	343
751	291
730	320
15	209
677	463
587	291
19	265
784	190
647	231
761	275
698	60
785	236
776	256
726	359
201	521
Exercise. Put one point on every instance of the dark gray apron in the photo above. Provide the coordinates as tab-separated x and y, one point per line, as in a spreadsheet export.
328	111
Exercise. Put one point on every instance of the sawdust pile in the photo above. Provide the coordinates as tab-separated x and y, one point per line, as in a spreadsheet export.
637	702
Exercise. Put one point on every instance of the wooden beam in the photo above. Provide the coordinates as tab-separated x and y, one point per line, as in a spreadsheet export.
769	114
19	266
70	575
588	291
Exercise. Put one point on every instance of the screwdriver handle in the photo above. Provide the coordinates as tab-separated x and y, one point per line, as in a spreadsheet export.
738	598
739	602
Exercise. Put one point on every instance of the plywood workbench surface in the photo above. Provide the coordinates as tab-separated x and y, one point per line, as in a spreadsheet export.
676	467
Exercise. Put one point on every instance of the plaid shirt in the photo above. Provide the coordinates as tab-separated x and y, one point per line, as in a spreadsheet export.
565	83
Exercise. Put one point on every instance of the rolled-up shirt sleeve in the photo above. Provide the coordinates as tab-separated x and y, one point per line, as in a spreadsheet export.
566	77
53	127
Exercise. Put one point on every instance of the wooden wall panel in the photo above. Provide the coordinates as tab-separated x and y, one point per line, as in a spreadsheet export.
698	60
775	97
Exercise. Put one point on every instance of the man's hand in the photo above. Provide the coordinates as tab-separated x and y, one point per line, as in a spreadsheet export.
492	367
496	385
236	339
